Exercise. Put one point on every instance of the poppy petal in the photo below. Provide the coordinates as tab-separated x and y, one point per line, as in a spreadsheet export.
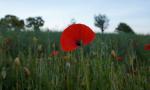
75	33
147	47
87	35
119	58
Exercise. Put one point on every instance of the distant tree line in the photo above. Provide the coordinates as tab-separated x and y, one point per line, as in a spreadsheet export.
12	22
102	22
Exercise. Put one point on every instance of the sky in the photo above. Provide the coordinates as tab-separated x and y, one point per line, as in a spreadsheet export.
58	13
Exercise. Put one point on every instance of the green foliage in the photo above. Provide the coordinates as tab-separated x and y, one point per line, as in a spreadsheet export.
89	68
35	22
123	27
11	22
101	21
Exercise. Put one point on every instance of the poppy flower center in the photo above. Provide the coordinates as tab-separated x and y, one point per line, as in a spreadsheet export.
79	43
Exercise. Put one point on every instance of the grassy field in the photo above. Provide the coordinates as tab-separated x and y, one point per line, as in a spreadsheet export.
27	63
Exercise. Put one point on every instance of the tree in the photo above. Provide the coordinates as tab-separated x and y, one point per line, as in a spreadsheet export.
123	27
101	21
35	22
10	22
73	21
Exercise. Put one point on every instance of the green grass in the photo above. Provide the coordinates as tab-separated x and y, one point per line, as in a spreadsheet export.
88	68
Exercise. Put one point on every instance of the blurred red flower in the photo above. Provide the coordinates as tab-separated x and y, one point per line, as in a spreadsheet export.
8	41
54	53
147	47
119	58
75	35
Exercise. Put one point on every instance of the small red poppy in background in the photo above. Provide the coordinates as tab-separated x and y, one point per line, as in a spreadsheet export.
147	47
119	58
54	53
75	36
8	41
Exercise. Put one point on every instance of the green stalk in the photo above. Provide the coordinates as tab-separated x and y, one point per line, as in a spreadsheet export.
83	65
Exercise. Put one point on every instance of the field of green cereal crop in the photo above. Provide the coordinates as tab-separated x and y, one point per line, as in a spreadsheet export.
35	61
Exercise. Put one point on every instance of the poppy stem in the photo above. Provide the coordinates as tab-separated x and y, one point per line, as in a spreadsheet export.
84	67
81	50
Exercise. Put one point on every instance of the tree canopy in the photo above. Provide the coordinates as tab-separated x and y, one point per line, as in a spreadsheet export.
101	21
35	22
123	27
11	22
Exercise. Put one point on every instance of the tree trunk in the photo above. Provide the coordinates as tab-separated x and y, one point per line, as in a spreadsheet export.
102	29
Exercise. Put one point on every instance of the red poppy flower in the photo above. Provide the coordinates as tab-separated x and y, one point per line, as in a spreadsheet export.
54	53
8	41
147	47
119	58
76	35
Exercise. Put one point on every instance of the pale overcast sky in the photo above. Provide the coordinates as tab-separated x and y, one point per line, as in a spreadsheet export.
58	13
